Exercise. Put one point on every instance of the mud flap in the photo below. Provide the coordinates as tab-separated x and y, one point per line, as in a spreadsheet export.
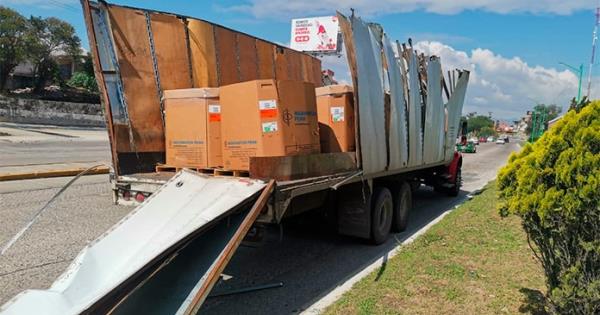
354	210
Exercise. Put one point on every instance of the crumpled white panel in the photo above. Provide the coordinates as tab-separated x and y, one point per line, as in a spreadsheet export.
415	133
433	146
185	204
398	142
370	98
454	108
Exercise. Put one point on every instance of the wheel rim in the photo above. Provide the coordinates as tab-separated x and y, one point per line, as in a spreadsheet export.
385	216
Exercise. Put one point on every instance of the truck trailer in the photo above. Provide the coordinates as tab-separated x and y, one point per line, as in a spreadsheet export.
167	255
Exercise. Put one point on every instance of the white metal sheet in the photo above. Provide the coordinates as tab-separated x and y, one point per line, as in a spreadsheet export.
415	132
370	99
398	142
433	145
185	204
454	108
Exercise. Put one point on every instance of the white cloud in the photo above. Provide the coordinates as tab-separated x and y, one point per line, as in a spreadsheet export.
506	86
283	9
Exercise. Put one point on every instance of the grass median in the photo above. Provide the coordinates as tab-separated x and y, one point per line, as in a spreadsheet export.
472	262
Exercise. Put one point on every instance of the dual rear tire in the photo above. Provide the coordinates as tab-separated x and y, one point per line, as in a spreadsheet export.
389	211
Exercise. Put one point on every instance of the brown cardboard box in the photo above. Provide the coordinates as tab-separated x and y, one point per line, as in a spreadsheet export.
193	127
268	118
335	109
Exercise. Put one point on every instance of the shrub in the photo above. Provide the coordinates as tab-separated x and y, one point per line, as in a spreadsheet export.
554	186
83	80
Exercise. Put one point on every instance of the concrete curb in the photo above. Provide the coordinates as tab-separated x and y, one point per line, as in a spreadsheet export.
52	173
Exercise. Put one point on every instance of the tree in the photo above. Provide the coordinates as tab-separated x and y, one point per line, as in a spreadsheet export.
554	185
53	36
13	26
476	123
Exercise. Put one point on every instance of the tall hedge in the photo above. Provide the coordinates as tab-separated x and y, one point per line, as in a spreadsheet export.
554	186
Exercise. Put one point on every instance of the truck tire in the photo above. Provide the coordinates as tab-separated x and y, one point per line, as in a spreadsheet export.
402	205
382	212
455	189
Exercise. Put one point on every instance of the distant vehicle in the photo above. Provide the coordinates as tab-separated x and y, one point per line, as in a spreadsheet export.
468	147
483	140
474	140
490	139
500	141
506	139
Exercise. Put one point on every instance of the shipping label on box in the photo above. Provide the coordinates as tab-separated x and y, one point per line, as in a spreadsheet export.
267	108
337	114
269	126
304	117
214	113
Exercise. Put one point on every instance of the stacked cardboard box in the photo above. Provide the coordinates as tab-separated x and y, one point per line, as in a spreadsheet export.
335	105
193	127
267	118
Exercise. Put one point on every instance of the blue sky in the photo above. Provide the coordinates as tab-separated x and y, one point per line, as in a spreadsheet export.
526	36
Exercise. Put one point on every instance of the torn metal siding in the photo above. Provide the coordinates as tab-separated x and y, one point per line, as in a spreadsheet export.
454	108
433	146
415	131
370	99
398	142
187	204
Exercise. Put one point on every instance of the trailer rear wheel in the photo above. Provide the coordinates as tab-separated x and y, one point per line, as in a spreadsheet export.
382	213
402	205
455	189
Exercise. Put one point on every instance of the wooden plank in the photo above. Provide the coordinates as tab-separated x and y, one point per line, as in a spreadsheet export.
133	51
219	265
317	77
247	57
226	56
307	68
171	51
281	63
266	61
301	166
204	57
294	65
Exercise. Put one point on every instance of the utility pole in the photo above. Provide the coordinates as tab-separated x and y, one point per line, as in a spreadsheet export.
579	73
594	38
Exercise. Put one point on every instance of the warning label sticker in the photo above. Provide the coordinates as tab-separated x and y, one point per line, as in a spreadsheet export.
337	114
270	126
214	113
268	108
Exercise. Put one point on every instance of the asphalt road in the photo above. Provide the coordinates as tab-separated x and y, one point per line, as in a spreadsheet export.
309	259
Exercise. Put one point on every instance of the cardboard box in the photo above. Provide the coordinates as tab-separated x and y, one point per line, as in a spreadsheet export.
268	118
193	127
335	109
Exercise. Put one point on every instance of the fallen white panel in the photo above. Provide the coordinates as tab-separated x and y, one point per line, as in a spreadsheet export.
370	99
454	108
433	144
415	134
398	142
187	203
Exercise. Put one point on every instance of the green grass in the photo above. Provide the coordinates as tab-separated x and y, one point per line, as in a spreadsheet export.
472	262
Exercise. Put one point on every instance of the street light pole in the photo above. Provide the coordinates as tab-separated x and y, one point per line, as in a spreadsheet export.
579	72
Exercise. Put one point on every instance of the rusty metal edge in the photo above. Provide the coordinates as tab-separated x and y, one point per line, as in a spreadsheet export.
229	250
89	25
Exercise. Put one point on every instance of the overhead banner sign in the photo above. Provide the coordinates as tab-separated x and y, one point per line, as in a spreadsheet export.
316	34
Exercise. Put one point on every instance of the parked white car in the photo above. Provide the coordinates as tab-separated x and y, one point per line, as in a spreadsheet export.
490	139
474	140
500	141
